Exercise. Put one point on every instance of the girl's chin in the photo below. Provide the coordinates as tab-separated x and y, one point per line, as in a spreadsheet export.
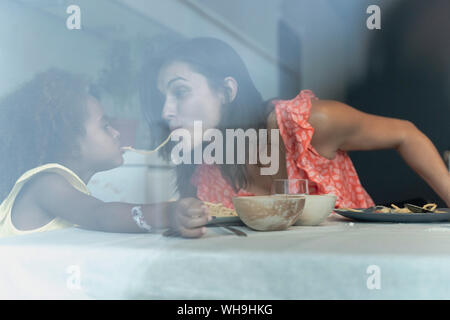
118	161
121	160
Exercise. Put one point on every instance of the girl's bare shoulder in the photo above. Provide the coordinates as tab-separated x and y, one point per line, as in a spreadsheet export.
26	214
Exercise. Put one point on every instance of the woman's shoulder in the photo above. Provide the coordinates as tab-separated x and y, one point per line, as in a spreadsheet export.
304	103
313	116
271	120
318	116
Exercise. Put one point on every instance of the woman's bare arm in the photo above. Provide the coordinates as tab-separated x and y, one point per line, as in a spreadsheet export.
341	127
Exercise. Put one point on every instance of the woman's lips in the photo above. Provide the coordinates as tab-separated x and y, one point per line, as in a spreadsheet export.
173	128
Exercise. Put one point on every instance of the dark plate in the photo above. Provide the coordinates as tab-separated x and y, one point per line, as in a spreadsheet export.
230	221
370	216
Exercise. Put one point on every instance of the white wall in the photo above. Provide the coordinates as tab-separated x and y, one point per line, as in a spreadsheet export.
334	40
196	19
32	41
333	36
34	38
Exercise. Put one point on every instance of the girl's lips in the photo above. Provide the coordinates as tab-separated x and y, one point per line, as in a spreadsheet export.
123	149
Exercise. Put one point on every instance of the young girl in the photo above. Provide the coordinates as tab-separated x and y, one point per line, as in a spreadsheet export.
54	138
205	79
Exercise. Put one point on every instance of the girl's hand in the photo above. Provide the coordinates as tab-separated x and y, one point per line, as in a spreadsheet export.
189	218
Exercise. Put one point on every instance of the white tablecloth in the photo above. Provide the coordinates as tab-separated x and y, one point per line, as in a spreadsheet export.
337	260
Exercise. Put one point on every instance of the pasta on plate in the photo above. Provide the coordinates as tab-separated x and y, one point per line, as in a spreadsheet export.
395	209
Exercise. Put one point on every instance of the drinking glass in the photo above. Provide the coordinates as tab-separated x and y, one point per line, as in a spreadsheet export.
295	187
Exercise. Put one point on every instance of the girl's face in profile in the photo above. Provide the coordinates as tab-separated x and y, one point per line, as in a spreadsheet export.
100	146
188	98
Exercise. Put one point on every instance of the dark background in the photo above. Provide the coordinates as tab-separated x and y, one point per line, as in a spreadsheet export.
407	77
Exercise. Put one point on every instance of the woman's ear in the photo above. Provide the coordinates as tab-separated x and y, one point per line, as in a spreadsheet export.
231	88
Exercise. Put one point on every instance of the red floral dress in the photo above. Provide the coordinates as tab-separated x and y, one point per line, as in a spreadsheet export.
337	176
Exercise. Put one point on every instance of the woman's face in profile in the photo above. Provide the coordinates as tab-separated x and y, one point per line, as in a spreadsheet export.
188	98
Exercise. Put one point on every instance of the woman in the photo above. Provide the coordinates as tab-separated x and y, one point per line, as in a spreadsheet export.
204	79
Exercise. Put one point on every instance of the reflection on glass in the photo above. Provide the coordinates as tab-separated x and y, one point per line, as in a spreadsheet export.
290	187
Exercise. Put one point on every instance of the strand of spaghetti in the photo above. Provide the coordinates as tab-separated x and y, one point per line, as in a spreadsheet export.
219	210
146	152
430	206
400	210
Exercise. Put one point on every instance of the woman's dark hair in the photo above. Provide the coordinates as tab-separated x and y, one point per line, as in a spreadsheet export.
40	123
215	60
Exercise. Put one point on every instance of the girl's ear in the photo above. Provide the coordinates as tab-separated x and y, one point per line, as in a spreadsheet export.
231	89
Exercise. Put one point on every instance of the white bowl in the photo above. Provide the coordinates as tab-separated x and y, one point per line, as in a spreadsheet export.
317	209
268	213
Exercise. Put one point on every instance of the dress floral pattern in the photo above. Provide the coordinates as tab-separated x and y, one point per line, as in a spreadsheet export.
337	176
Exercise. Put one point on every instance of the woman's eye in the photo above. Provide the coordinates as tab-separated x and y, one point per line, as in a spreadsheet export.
180	92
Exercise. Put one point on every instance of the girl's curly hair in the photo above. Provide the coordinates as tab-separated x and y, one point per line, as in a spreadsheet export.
40	123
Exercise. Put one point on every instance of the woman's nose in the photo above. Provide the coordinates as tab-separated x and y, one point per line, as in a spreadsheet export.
115	133
169	111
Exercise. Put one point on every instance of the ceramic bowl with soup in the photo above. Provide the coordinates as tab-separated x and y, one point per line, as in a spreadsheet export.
317	209
269	213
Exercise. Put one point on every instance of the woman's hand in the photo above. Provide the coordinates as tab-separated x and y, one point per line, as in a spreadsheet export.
189	218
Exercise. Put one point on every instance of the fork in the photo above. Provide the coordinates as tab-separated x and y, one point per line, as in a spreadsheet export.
235	231
175	233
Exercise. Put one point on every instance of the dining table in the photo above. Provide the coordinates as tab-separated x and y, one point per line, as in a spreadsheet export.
338	259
